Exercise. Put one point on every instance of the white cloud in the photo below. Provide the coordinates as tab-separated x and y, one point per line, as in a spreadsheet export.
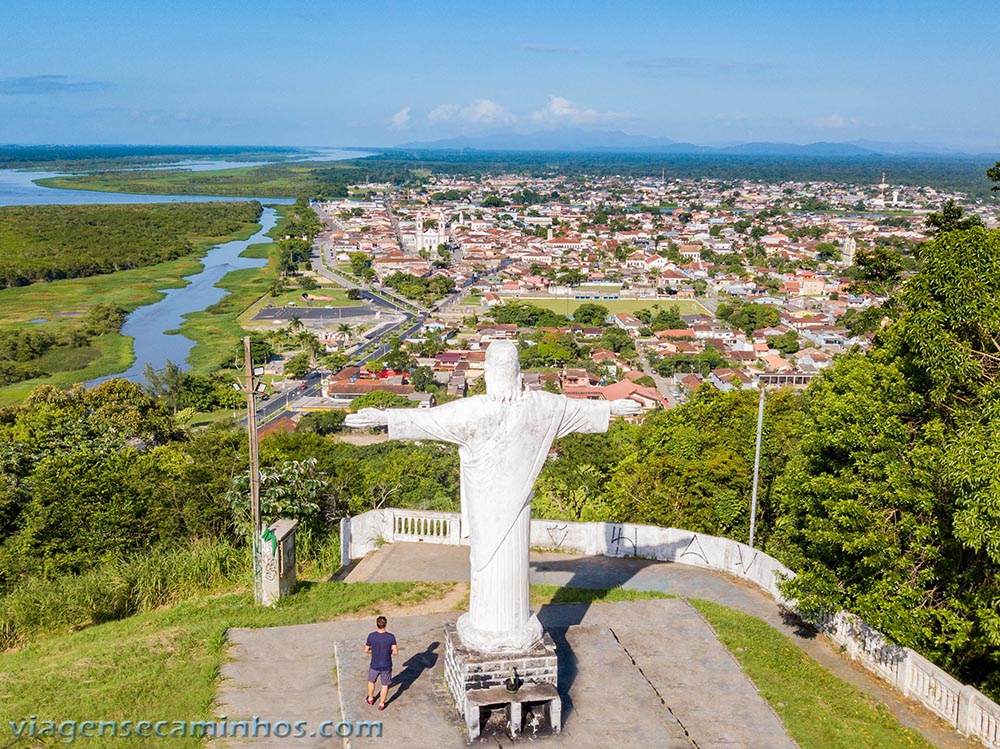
444	113
486	112
478	112
401	120
835	121
562	111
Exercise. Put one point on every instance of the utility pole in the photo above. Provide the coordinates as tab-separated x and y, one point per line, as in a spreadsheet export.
250	386
756	465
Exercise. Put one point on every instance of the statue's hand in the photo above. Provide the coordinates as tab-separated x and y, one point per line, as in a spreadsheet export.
623	407
367	417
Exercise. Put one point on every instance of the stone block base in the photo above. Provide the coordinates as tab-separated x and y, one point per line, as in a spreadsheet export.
476	682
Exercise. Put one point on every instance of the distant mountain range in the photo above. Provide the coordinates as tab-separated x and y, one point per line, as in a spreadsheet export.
619	142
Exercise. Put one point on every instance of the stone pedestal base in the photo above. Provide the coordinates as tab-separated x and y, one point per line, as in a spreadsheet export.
477	680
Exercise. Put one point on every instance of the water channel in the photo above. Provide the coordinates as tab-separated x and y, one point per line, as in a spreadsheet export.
148	325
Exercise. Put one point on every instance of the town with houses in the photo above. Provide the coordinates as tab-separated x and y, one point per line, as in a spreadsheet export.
685	283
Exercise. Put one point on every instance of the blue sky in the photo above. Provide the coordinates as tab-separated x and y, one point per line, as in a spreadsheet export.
381	73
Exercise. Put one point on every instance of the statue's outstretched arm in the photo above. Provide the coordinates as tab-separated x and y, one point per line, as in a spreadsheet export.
625	407
367	417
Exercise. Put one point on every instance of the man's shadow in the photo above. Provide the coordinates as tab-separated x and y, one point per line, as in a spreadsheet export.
413	667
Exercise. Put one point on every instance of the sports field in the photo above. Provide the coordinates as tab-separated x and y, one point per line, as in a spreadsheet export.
566	306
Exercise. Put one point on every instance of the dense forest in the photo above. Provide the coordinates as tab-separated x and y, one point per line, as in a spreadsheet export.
952	173
43	243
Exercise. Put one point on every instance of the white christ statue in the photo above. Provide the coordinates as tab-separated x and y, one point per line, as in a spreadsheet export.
503	438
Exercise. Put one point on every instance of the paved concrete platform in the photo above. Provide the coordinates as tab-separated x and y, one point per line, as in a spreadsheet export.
438	562
646	673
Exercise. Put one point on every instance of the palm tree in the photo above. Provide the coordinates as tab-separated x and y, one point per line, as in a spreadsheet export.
295	324
308	340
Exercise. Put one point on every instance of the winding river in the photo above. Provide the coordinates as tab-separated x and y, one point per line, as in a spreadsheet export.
148	325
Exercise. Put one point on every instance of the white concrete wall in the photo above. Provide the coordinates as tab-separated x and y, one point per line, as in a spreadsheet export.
966	709
665	545
368	531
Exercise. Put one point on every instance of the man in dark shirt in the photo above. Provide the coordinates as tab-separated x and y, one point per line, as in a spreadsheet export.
382	646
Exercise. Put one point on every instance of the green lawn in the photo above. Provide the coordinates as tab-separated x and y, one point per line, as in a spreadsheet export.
542	595
566	306
337	297
819	710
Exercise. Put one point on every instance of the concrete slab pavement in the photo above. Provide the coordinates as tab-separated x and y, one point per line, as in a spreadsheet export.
439	563
620	687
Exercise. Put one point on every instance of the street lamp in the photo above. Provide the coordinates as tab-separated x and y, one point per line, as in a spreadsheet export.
756	464
252	385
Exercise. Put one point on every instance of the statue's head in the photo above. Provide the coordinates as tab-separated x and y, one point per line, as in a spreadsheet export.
503	371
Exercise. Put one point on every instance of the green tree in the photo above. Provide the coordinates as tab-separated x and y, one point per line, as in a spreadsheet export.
618	340
890	509
298	366
701	363
261	351
749	316
828	252
381	399
166	385
692	467
550	350
322	422
591	314
668	319
993	174
294	489
786	343
879	270
949	218
397	357
361	265
422	378
571	277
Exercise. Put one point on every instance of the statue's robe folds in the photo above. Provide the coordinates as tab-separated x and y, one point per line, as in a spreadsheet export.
502	447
